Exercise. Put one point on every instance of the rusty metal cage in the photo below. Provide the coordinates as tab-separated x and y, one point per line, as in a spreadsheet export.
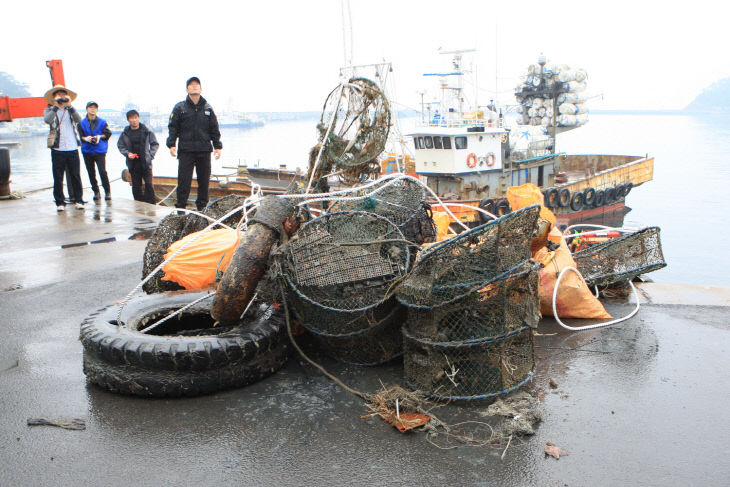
508	303
621	258
346	261
469	370
456	267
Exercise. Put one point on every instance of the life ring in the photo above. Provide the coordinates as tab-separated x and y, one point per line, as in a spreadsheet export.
600	198
491	159
551	198
486	204
564	197
502	208
576	202
471	160
589	196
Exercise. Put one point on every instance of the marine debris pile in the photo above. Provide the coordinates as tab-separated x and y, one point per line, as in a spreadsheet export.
366	273
552	95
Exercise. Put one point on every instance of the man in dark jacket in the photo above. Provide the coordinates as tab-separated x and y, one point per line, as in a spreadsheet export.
62	117
138	144
94	134
194	126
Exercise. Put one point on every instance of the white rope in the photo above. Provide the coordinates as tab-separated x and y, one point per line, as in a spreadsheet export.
324	140
597	325
168	195
172	315
193	212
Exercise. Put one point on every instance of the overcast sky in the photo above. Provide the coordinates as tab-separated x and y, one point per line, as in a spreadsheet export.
285	55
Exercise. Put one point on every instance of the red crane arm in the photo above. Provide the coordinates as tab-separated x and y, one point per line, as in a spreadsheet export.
11	108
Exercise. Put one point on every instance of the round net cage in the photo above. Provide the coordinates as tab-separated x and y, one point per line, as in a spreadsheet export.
469	370
506	304
621	258
345	261
402	201
462	264
380	343
353	129
327	322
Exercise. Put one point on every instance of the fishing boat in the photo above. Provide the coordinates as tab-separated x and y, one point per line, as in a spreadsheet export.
473	157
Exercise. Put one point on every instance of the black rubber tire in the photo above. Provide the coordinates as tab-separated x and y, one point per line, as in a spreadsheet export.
123	360
589	196
576	202
551	198
4	165
610	196
627	189
486	204
564	197
502	208
600	198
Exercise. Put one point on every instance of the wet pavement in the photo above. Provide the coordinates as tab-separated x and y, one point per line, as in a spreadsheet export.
641	403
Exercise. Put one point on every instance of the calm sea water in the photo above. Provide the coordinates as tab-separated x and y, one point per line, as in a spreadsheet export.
688	197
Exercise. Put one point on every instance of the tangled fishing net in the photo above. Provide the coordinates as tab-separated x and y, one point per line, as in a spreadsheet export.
353	130
621	258
460	265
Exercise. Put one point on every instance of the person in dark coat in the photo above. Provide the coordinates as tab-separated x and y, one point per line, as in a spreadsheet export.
95	135
194	127
139	145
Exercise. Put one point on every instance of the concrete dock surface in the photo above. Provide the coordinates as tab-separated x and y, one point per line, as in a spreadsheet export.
644	402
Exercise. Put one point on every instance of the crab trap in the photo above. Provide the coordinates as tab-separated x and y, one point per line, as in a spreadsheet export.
621	258
456	267
507	303
401	201
477	369
345	261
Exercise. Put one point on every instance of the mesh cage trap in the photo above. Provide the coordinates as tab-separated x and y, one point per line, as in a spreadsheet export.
469	370
401	201
345	261
455	267
375	345
504	305
621	258
359	116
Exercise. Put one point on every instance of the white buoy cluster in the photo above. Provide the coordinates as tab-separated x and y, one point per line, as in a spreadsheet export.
548	87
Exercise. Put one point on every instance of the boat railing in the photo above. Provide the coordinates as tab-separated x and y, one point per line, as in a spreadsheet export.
461	122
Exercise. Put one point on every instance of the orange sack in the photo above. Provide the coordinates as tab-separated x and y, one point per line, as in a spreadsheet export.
575	299
442	221
527	195
195	267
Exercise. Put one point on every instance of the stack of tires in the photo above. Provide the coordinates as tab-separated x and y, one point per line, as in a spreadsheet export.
558	198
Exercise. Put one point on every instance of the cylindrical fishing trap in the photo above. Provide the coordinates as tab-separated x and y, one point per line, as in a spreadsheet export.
508	303
469	370
345	261
460	265
621	258
401	201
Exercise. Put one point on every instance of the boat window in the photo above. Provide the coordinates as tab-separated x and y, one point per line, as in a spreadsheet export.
437	142
429	142
460	142
447	142
419	142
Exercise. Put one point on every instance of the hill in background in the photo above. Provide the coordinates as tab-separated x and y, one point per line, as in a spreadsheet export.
11	87
714	98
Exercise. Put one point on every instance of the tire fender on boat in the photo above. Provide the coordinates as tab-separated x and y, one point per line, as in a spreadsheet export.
599	199
551	198
576	201
589	196
502	208
487	204
564	197
610	195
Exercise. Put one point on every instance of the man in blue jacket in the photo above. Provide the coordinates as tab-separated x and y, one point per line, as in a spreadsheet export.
139	145
94	134
194	127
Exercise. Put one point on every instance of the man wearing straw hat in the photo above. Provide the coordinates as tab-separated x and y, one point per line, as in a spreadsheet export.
64	143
